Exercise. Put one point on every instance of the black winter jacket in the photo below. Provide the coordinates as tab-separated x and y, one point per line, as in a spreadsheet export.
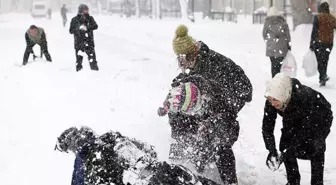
217	67
306	119
83	39
219	116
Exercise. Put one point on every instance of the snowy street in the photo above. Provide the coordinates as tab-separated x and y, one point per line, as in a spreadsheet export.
137	63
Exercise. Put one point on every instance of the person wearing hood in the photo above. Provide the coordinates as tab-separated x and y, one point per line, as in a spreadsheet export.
322	39
82	27
35	35
206	125
306	117
116	159
277	38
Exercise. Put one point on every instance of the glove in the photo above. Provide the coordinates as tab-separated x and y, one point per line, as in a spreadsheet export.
177	80
83	27
289	48
272	161
162	111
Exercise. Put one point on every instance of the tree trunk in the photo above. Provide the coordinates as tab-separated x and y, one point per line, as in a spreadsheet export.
301	12
184	9
137	8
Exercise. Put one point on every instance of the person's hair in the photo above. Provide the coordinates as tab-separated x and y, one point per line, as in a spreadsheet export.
324	8
32	27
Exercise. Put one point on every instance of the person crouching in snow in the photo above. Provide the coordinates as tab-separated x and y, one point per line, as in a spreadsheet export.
206	125
277	37
35	35
82	27
116	159
306	117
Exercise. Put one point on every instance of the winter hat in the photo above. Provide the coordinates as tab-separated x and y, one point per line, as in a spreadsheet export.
185	98
82	7
273	11
324	8
280	88
182	42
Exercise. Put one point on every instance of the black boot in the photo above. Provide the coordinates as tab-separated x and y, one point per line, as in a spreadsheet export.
324	80
79	67
94	66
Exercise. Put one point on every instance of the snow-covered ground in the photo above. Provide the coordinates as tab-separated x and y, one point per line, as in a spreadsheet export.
40	100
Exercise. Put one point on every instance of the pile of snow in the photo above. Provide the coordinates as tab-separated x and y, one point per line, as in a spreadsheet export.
262	9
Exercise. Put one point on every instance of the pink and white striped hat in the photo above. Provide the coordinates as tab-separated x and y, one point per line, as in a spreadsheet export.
185	98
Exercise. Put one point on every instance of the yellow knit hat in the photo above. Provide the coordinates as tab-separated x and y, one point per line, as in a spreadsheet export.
183	43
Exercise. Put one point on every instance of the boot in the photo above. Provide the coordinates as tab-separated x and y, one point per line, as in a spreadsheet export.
324	80
94	66
79	67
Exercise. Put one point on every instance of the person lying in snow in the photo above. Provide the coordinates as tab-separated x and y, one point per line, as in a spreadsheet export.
206	127
116	159
306	117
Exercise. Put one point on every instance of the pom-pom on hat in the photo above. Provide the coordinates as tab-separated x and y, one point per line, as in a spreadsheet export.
182	42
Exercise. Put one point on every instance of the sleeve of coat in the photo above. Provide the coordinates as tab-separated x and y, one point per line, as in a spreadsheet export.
269	120
265	30
314	34
334	21
44	38
72	28
287	32
92	24
29	44
78	174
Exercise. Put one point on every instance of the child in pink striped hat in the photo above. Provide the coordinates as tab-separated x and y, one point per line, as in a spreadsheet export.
185	98
202	116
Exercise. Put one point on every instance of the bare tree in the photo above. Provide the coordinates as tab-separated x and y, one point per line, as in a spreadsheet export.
184	9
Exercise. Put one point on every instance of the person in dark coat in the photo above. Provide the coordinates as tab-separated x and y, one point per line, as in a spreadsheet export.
116	159
277	37
82	27
203	117
35	35
306	117
64	12
322	39
196	58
